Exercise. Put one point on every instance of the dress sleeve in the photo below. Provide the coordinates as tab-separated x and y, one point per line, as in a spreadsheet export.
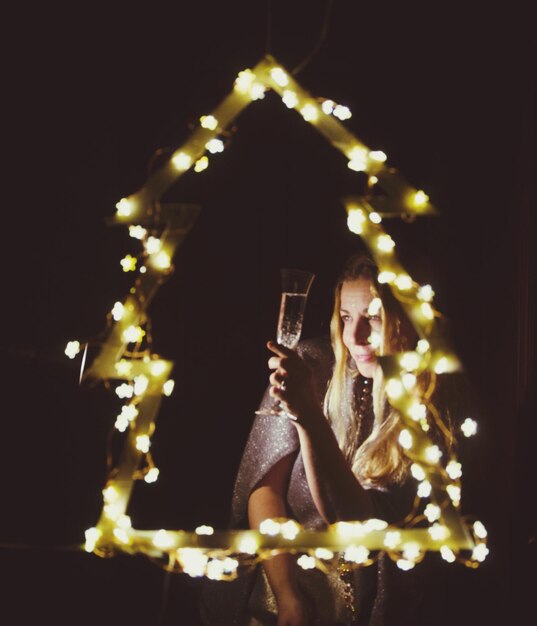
273	437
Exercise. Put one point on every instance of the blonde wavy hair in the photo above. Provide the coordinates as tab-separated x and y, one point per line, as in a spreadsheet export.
380	460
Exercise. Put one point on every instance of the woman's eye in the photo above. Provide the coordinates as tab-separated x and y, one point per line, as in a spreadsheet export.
345	318
374	318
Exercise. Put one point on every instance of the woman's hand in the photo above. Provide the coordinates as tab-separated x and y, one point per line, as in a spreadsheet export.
292	383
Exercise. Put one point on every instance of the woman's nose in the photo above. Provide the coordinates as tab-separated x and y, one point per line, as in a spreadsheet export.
361	331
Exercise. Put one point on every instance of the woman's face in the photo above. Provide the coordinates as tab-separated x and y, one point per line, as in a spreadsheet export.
359	322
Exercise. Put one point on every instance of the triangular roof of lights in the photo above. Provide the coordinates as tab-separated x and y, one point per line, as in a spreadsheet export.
225	554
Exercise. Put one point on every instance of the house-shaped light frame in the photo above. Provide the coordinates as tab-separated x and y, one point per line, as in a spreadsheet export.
225	554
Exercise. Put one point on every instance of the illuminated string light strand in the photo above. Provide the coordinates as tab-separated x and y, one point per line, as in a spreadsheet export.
224	554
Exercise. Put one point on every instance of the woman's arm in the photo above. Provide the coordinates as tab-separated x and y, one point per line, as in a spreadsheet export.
336	492
268	500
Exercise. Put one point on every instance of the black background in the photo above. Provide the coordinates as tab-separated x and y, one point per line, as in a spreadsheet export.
90	94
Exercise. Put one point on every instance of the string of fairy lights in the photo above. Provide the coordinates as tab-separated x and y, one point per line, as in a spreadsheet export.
436	524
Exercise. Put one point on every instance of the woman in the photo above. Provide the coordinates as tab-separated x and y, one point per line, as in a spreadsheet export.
339	460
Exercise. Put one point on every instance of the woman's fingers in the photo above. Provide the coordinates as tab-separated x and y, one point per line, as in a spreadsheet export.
278	349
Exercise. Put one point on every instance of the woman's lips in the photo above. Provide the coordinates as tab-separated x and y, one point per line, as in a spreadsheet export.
365	358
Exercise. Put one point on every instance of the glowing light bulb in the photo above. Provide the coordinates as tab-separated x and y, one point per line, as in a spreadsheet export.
417	471
447	554
290	99
425	293
375	339
129	412
123	367
373	180
269	527
443	365
409	381
469	427
306	562
133	334
163	260
374	307
113	510
124	207
201	164
392	539
424	489
125	391
181	161
410	361
153	245
289	530
386	277
403	282
349	529
328	106
141	383
257	91
433	454
355	221
309	112
279	76
118	311
454	470
248	545
110	494
124	522
209	121
438	532
143	443
342	112
375	524
128	263
480	552
357	159
163	539
193	561
423	346
324	554
137	232
405	439
122	535
167	387
152	475
427	310
356	554
215	145
121	424
92	536
454	492
230	565
204	530
405	565
244	81
394	388
432	512
479	530
72	349
375	217
420	199
378	155
411	551
158	368
417	411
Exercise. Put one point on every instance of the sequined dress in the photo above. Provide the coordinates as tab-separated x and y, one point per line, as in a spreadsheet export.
382	594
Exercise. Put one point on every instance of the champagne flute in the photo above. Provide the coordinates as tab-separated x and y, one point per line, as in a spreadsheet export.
295	287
